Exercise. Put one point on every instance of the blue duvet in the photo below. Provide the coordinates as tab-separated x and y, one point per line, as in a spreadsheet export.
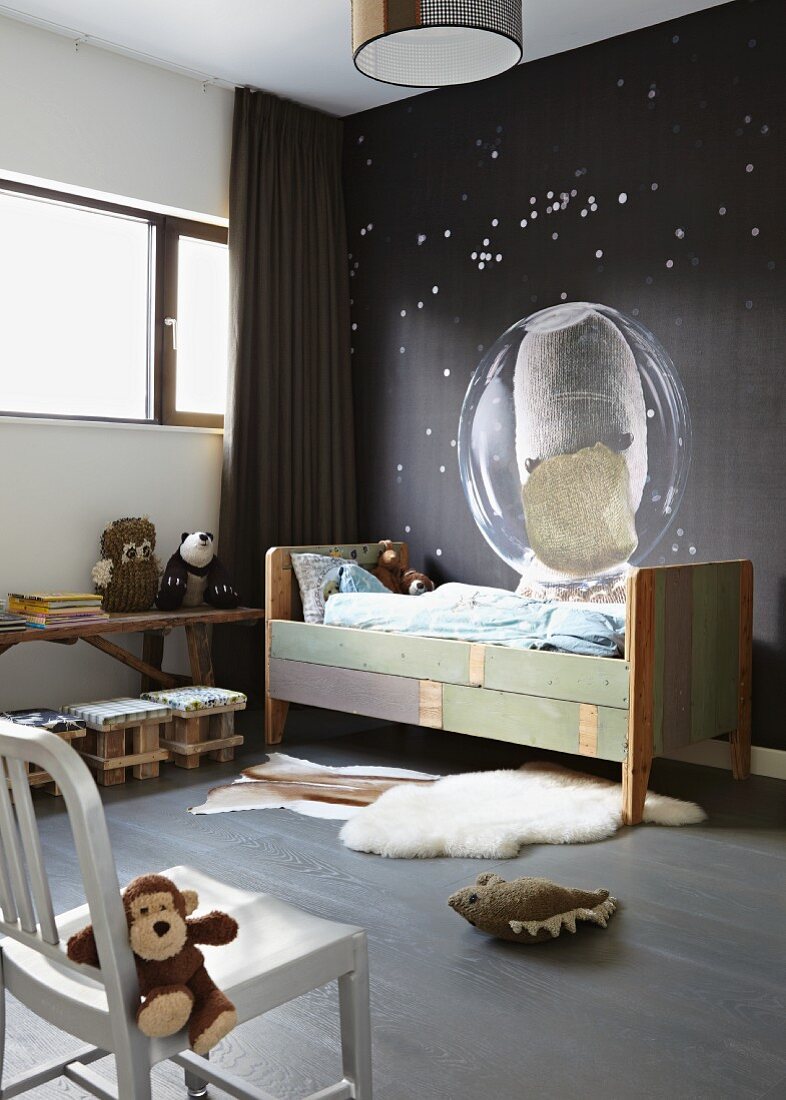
487	615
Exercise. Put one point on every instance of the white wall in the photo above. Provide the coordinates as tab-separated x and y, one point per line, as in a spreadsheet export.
96	120
93	120
59	485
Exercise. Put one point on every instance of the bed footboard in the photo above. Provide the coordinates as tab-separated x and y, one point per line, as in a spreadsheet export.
689	644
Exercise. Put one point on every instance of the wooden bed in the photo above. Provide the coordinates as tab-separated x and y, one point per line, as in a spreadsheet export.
686	675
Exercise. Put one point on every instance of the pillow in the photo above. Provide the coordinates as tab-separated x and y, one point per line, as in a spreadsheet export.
354	578
318	578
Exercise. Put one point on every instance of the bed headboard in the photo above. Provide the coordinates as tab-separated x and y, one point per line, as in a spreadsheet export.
282	595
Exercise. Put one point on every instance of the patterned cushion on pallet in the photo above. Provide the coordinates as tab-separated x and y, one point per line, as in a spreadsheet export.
197	698
45	719
113	712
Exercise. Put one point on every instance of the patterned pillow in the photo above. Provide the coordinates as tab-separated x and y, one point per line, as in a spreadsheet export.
115	712
318	579
354	578
197	698
45	719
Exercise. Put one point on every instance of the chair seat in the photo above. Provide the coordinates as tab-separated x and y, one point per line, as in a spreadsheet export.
280	953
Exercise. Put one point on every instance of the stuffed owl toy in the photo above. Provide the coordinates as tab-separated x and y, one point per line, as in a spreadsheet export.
127	574
581	445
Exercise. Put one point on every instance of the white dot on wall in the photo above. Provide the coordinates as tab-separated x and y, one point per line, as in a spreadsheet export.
584	213
554	236
534	214
446	372
620	82
428	431
486	242
679	233
721	210
680	532
591	199
622	198
754	232
407	529
435	290
494	154
532	200
691	549
453	443
354	326
370	226
669	263
438	552
653	187
442	469
361	139
447	232
403	313
498	257
420	305
481	265
674	547
593	207
549	194
369	162
523	223
598	253
748	167
650	413
399	467
564	296
749	304
401	350
495	222
422	238
363	232
473	255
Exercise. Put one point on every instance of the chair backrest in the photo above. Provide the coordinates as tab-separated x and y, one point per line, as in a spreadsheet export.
25	896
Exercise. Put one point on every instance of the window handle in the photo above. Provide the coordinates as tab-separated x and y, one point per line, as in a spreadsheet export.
171	322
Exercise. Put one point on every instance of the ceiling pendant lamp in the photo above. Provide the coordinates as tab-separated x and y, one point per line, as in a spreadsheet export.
431	43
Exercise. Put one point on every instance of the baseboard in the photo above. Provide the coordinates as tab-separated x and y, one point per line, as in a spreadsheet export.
715	754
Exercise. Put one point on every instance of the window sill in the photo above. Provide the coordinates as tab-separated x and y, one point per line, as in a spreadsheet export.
118	425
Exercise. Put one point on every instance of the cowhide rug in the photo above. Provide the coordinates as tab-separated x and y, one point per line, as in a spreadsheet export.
412	815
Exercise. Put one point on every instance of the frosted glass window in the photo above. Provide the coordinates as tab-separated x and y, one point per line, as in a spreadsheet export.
74	310
202	325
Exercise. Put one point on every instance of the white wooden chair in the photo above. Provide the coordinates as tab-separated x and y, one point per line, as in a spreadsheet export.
280	953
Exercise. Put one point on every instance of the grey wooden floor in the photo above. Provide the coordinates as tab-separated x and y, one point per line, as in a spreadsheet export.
682	998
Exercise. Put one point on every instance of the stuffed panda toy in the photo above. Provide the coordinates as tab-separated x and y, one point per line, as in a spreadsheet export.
193	575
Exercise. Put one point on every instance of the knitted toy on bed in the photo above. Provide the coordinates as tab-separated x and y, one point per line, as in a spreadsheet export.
174	986
529	910
581	445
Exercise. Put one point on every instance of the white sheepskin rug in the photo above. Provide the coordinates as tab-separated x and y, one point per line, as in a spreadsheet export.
412	815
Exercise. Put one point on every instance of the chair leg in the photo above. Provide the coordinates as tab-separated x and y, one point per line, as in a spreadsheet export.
195	1086
2	1020
133	1071
356	1023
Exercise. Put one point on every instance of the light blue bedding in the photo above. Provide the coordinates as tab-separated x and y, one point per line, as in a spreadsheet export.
487	615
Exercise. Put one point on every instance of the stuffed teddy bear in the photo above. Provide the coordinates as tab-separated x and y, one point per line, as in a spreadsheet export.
127	574
391	573
529	910
174	986
193	575
414	583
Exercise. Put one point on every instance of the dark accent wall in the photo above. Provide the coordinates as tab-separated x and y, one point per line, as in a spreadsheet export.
669	143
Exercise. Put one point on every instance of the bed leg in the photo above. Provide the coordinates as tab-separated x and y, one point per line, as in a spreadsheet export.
275	719
740	739
635	777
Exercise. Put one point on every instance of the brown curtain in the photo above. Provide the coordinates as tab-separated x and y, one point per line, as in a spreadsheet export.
289	469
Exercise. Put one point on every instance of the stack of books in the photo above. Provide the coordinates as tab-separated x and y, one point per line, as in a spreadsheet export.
10	622
45	609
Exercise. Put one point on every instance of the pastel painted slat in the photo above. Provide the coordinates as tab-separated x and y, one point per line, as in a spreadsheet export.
371	651
530	720
395	698
728	646
703	652
604	681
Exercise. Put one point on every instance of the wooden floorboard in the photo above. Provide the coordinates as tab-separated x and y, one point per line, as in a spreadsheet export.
681	998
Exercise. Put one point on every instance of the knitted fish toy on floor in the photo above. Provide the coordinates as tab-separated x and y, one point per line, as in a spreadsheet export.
529	910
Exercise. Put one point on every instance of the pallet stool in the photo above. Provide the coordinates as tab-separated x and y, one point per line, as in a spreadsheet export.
122	733
65	726
203	723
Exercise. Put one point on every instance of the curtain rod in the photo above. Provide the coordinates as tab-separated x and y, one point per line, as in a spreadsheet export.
81	38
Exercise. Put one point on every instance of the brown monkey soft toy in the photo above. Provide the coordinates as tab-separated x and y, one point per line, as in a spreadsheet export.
175	987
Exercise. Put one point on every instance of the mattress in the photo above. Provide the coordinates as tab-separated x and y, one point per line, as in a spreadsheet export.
489	616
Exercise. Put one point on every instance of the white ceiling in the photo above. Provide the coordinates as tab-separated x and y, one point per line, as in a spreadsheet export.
301	48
